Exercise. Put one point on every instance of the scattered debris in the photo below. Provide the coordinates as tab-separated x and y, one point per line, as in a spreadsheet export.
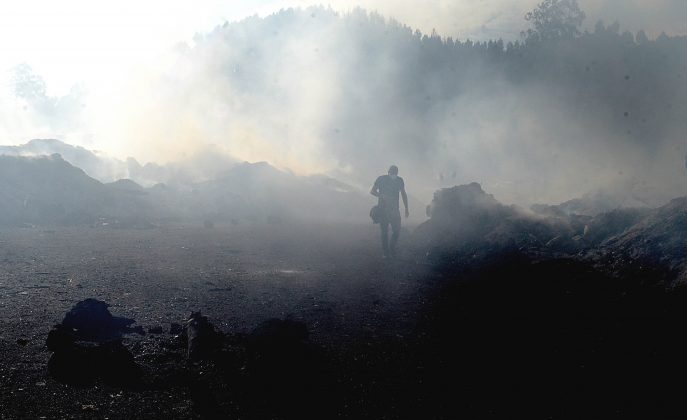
202	338
155	330
91	320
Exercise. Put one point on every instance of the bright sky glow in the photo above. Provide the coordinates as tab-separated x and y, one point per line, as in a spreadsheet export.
88	41
100	44
92	41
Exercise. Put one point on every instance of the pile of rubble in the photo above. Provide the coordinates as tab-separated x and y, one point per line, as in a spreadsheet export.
466	221
87	346
466	224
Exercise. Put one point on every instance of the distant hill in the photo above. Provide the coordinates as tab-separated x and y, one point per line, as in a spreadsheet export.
260	192
126	185
48	190
98	166
203	165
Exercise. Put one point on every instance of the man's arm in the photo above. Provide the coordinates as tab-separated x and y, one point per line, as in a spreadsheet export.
404	196
375	188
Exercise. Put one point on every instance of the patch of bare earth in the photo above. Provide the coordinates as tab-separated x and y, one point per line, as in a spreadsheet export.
360	311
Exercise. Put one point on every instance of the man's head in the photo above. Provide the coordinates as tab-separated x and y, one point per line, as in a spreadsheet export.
393	171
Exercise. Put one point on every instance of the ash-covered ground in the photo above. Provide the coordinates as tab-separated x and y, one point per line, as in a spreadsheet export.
360	313
489	311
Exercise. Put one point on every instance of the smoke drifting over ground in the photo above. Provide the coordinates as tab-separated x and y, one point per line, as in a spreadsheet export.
348	94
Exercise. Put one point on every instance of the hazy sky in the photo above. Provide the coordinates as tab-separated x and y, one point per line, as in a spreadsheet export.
94	42
121	52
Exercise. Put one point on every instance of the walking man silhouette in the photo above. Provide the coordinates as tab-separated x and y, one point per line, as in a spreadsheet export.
387	188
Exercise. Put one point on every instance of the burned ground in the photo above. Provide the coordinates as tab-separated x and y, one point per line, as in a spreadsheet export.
554	339
313	323
358	311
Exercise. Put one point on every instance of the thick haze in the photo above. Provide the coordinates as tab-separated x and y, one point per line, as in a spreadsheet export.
81	41
487	19
340	92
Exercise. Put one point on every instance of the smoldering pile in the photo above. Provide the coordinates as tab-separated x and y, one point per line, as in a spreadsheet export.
467	225
578	310
465	222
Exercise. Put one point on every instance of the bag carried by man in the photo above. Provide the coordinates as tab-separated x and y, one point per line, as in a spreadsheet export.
376	214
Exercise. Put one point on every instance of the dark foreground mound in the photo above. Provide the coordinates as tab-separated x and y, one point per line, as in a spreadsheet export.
553	315
87	347
554	339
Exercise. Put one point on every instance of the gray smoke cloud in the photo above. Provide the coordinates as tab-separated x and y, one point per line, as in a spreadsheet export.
26	108
653	17
348	95
318	91
490	19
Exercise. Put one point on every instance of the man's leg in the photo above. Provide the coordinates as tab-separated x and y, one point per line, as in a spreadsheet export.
395	232
384	227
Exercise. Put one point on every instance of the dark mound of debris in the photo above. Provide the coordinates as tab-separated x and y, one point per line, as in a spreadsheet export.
467	222
87	346
608	225
599	229
595	203
91	320
555	309
202	339
656	242
462	203
464	220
